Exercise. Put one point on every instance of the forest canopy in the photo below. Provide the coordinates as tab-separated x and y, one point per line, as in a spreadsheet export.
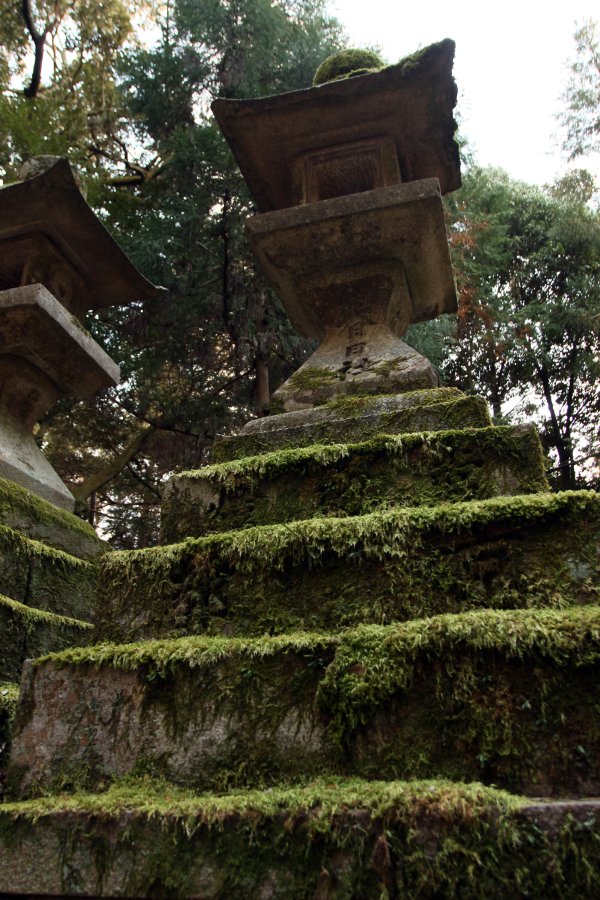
125	93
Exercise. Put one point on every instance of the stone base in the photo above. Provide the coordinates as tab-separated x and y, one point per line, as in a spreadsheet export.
484	695
22	461
45	354
353	419
421	469
320	840
375	362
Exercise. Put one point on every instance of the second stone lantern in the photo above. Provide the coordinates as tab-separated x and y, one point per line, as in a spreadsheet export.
57	261
349	177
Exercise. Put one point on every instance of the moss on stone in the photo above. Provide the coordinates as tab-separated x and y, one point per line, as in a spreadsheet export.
343	838
40	576
536	550
356	424
353	479
338	838
28	632
347	63
484	695
22	510
9	695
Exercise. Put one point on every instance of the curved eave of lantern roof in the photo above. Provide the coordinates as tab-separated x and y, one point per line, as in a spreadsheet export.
51	204
412	102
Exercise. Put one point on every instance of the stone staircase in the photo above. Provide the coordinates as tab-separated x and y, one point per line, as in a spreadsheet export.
363	668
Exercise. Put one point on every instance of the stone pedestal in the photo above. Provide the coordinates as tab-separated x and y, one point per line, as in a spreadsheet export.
45	354
354	272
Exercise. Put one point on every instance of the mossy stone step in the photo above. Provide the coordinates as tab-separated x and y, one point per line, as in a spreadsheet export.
352	479
26	632
34	517
505	697
535	550
356	418
325	839
39	576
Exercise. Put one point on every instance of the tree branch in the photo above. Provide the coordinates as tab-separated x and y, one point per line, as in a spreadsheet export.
39	41
97	480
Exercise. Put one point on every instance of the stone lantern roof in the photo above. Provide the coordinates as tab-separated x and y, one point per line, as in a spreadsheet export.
409	104
50	235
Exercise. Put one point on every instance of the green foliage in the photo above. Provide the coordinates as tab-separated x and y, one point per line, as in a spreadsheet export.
347	63
528	332
581	118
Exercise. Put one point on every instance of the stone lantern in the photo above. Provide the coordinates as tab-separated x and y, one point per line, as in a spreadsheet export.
56	262
349	177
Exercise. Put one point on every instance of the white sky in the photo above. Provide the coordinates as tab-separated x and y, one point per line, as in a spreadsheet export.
510	67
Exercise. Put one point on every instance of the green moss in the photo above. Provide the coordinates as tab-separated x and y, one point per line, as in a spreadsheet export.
483	695
9	695
347	63
158	658
27	632
536	550
373	662
21	509
501	444
353	479
34	616
360	424
353	404
312	378
348	838
44	577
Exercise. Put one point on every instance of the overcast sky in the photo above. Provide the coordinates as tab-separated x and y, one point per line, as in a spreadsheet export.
511	68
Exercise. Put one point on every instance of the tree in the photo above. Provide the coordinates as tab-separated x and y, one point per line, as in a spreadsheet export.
58	69
581	118
528	329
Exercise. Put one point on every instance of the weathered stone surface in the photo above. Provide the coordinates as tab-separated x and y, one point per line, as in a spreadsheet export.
318	840
482	695
376	257
88	724
353	479
40	576
354	272
534	550
35	518
22	462
380	364
411	103
26	632
354	419
36	328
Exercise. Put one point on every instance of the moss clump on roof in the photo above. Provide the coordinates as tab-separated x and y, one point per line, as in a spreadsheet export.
347	63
